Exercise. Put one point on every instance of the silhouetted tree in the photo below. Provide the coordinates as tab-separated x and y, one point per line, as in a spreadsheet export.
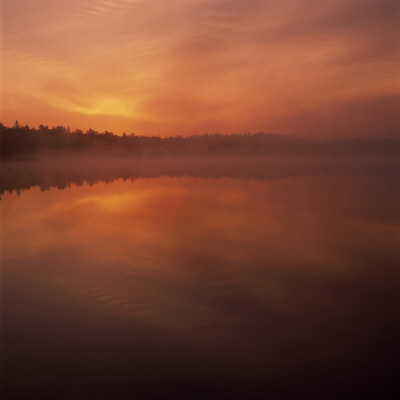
19	140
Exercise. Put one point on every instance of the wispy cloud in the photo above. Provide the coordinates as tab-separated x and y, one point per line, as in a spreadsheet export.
181	64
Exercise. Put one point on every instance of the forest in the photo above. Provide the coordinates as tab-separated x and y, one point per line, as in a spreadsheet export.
22	141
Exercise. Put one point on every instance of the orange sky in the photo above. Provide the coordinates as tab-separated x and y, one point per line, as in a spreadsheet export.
309	67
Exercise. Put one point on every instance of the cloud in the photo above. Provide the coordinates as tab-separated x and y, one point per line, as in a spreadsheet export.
199	63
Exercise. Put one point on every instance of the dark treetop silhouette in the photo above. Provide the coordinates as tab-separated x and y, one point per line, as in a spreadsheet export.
22	141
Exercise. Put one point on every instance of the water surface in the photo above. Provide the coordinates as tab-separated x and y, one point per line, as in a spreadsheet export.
195	287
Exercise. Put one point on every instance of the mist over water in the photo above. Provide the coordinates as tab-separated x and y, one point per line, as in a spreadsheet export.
64	170
203	280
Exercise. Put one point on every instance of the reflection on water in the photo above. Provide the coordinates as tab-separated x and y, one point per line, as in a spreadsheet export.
61	172
193	288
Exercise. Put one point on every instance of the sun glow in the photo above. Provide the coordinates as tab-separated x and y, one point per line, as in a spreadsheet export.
109	106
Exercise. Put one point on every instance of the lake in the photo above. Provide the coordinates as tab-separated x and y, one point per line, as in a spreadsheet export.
199	283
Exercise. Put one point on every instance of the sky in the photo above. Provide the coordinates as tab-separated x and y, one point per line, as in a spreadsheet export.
182	67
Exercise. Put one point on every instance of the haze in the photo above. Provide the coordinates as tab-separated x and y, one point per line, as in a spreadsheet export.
193	66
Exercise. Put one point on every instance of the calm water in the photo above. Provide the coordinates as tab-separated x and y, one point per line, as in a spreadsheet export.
201	288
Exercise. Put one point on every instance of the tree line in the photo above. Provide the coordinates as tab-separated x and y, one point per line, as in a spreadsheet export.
20	141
